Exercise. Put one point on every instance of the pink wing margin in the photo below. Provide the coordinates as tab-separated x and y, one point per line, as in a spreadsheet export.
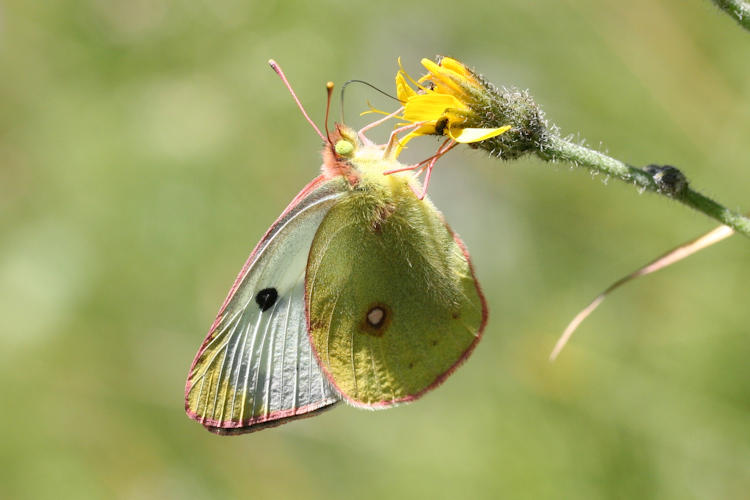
243	272
274	419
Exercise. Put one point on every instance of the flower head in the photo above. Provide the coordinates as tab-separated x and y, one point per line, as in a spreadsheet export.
447	101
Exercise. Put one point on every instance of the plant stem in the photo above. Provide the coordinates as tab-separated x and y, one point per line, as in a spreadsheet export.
558	149
738	9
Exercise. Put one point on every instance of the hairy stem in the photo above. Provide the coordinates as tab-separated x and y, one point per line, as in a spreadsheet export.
737	9
558	149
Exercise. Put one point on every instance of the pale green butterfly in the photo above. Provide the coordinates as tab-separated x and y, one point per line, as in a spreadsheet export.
358	292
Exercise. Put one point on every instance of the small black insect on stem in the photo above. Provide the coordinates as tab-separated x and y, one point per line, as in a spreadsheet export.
669	180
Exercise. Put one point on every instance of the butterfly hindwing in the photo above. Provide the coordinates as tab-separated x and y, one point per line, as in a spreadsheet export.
394	306
255	368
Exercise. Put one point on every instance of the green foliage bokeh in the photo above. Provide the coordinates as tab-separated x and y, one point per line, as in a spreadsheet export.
145	146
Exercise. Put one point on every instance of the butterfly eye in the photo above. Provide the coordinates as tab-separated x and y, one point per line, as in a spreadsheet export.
344	148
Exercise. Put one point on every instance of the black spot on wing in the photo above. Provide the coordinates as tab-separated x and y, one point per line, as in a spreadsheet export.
266	298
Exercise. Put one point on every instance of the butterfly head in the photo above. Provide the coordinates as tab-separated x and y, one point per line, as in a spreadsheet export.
342	146
351	154
365	164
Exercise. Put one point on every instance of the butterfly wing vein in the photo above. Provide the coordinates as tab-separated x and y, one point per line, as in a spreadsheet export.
256	366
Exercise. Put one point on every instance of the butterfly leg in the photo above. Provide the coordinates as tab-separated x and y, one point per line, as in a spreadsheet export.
393	139
361	133
444	148
428	164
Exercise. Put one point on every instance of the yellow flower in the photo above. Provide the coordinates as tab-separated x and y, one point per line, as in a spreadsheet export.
448	105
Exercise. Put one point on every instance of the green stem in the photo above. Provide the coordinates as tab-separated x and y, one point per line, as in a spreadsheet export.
738	9
558	149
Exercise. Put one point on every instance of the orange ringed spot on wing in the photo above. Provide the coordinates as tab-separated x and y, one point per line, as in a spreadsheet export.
376	319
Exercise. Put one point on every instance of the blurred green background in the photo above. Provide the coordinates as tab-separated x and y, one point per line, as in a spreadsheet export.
145	146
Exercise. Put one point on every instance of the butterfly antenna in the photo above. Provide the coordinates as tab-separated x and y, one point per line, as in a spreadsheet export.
343	88
329	89
275	66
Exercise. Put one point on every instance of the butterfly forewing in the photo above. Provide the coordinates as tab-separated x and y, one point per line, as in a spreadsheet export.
256	367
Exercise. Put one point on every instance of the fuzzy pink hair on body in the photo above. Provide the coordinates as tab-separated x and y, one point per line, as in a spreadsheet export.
335	165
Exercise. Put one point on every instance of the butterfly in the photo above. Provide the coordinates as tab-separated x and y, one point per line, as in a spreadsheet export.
359	292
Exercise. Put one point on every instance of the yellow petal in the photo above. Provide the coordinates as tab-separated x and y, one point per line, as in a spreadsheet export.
423	130
457	67
379	112
467	135
430	107
426	129
403	90
445	81
430	65
416	83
